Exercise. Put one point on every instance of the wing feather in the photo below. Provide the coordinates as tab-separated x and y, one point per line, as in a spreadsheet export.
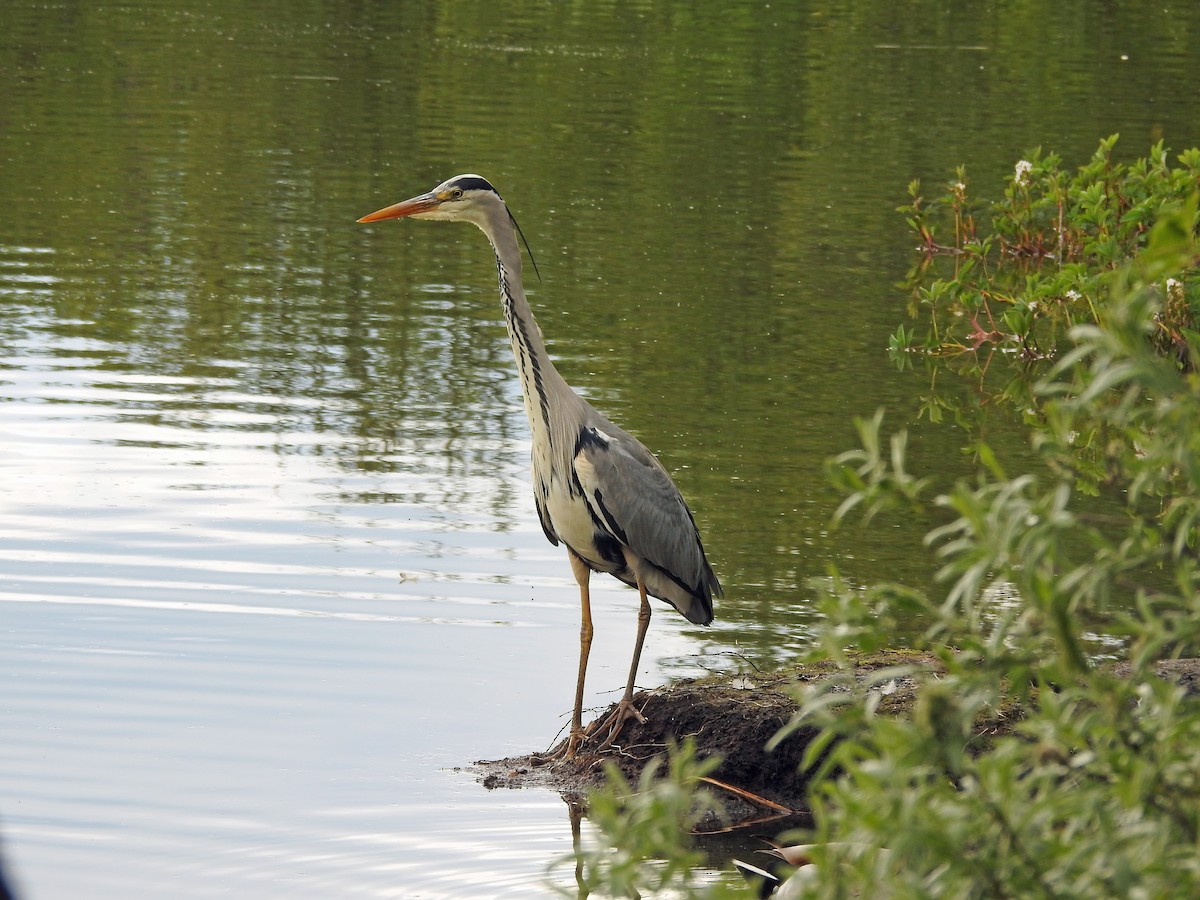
544	517
636	501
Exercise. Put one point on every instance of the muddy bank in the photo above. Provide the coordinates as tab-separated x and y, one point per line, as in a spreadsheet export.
729	716
734	717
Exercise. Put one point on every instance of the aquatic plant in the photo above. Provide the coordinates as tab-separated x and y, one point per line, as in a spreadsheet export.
1016	274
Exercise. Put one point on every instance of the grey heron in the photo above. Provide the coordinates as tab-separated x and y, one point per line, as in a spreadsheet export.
598	490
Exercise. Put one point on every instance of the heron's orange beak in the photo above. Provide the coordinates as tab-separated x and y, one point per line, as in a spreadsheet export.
420	204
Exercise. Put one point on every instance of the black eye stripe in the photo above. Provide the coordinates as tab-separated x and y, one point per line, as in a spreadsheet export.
475	184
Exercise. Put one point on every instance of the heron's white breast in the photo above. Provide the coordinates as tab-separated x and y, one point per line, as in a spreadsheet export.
571	520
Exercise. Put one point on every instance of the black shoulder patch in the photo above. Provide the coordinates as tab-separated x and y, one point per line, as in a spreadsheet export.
590	437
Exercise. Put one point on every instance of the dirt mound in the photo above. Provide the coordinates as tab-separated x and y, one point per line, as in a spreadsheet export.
733	717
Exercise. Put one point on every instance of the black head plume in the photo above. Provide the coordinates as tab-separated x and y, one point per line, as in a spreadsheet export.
513	219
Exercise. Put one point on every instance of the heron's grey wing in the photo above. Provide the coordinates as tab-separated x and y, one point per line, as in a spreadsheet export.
633	497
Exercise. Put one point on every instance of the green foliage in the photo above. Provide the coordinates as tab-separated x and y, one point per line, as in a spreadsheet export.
1002	306
1030	767
1043	266
642	834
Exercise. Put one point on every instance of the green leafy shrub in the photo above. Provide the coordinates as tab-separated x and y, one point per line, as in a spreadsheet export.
642	841
1032	767
1042	265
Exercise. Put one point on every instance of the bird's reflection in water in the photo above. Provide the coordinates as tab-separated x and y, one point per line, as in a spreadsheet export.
754	839
575	811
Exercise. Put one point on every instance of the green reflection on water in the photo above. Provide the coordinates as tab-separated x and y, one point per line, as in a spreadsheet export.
709	188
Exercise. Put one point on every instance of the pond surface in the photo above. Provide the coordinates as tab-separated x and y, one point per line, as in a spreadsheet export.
270	571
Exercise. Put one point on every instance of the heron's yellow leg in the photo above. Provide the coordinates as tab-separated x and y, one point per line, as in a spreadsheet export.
625	709
582	575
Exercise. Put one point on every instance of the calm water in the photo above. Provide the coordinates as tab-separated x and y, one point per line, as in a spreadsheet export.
269	566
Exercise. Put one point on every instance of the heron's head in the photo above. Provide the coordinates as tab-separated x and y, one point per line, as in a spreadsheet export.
463	198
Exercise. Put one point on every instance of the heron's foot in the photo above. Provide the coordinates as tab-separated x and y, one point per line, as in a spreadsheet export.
565	749
605	730
611	725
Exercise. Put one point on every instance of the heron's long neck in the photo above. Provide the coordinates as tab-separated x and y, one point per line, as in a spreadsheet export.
539	378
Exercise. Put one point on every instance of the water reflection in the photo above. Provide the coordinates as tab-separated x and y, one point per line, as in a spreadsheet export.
267	560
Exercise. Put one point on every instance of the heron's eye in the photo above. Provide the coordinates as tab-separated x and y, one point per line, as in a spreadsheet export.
456	194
